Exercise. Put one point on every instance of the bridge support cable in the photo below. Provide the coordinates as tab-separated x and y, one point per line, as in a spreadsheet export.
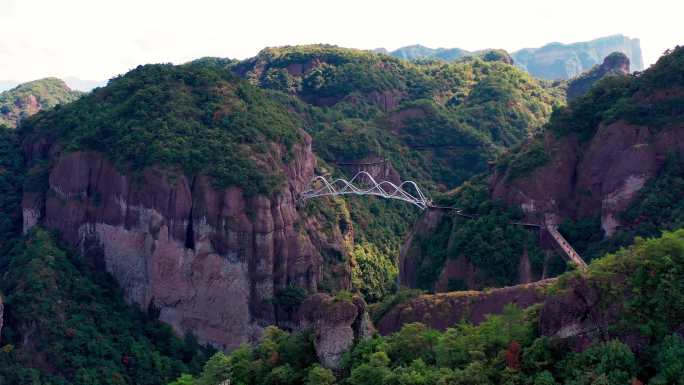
364	184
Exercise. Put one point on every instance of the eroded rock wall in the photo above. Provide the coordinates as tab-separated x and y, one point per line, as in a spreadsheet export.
208	260
599	177
444	310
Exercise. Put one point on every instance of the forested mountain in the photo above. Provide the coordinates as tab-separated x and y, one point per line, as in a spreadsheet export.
27	99
552	61
160	217
437	122
599	169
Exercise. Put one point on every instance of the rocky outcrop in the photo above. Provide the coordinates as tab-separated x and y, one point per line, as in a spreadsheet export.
578	314
444	310
337	324
616	63
599	177
208	261
380	169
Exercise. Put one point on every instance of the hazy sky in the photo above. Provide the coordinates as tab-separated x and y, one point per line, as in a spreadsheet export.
93	39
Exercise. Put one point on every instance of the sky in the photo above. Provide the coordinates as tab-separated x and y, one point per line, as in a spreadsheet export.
96	40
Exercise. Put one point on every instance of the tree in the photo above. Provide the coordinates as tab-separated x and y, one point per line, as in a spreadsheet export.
669	361
319	375
216	370
372	373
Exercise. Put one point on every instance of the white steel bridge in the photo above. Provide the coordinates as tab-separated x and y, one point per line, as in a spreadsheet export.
364	184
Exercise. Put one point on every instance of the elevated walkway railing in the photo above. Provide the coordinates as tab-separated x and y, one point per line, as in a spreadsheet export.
565	246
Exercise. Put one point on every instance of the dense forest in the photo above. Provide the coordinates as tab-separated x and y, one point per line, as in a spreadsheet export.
444	125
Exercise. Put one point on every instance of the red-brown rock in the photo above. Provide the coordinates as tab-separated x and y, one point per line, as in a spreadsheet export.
601	176
208	260
444	310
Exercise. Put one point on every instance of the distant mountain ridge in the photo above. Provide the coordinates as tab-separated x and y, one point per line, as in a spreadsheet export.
564	61
552	61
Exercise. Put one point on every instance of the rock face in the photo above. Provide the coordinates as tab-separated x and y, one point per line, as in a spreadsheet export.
410	257
601	176
577	314
208	261
380	169
616	63
337	324
441	311
586	310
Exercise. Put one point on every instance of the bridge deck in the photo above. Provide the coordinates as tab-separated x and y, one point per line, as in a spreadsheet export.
566	247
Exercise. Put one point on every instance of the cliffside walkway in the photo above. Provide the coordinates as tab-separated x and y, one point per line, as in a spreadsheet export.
565	246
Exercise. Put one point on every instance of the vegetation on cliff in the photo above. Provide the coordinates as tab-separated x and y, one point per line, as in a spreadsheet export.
29	98
66	323
11	180
652	98
485	237
196	118
630	98
435	121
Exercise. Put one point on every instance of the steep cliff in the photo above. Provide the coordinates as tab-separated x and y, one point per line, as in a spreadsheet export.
27	99
600	151
68	323
337	323
207	246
